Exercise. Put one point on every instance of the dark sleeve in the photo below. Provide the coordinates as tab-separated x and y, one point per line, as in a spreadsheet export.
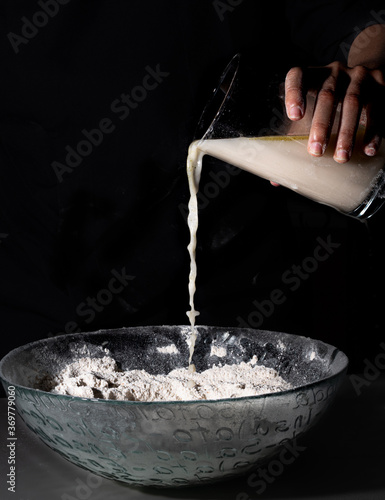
326	29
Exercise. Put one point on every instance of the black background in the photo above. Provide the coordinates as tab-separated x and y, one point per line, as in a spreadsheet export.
121	207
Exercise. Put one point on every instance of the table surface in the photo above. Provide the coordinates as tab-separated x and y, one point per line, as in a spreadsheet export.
344	459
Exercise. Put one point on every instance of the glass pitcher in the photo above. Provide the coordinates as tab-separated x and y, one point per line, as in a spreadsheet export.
247	126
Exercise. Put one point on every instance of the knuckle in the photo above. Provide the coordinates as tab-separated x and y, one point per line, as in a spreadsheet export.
295	70
293	77
327	94
336	65
320	128
338	69
352	99
330	84
359	72
332	81
293	91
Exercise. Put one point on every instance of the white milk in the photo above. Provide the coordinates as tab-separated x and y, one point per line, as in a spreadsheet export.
285	160
194	168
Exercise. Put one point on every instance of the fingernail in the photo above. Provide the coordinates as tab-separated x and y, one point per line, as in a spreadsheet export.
370	150
341	155
316	148
295	112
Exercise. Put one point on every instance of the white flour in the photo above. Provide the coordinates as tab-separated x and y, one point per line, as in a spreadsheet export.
170	349
97	375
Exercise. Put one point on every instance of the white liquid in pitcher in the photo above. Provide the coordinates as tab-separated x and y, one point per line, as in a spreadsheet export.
285	160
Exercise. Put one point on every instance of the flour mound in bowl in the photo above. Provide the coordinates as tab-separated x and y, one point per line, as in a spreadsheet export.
100	377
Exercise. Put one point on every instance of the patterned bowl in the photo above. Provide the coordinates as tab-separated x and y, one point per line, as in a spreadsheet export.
176	443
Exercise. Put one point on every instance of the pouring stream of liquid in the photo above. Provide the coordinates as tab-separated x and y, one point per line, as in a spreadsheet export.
194	168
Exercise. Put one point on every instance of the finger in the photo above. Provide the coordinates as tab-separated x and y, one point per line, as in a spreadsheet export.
372	138
373	145
350	115
324	114
374	112
295	94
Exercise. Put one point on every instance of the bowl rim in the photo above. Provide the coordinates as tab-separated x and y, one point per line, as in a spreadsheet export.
339	374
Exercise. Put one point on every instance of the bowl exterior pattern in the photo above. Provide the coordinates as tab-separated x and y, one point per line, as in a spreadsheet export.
176	444
173	444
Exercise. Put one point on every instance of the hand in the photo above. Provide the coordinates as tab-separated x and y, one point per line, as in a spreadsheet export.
362	94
